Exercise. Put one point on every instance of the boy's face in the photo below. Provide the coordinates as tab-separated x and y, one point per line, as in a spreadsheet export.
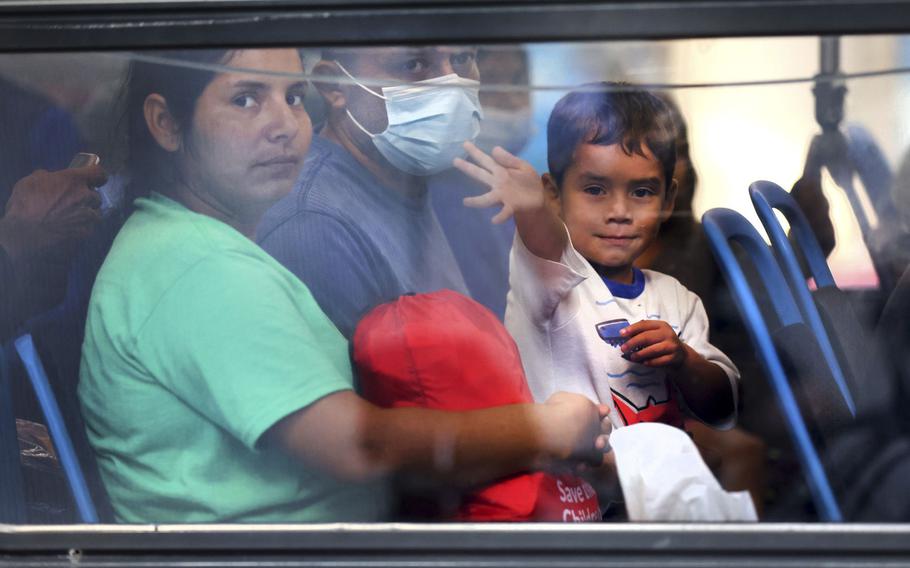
612	204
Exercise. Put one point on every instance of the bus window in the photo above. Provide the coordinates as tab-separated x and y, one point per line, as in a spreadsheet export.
428	281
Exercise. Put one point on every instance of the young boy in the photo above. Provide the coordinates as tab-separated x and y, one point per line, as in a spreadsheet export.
574	288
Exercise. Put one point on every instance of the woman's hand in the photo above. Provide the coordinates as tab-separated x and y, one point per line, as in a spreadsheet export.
575	429
347	437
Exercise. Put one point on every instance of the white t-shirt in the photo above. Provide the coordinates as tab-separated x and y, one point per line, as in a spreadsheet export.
552	313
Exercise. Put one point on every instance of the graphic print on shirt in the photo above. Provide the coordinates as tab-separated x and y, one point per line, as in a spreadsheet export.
640	393
644	396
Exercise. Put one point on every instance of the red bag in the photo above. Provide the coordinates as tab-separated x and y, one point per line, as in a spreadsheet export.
445	351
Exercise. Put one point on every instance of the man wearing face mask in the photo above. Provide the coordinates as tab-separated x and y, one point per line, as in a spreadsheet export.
358	229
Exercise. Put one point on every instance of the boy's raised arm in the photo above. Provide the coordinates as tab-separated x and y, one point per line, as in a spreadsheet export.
518	188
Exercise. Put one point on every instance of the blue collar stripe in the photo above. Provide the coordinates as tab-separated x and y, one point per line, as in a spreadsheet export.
627	291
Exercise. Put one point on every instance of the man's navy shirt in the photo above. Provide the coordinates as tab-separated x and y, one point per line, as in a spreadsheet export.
354	242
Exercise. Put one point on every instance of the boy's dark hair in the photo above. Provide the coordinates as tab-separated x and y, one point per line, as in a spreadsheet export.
609	113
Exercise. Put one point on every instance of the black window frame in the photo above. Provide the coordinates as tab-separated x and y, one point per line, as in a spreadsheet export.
469	545
63	25
77	25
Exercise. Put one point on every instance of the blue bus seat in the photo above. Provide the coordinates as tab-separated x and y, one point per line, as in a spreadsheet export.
865	369
787	321
66	453
46	494
12	491
63	382
767	196
816	397
57	340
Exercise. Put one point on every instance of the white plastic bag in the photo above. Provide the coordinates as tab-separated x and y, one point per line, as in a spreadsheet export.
663	478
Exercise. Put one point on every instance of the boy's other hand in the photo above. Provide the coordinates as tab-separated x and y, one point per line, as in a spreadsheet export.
512	181
653	343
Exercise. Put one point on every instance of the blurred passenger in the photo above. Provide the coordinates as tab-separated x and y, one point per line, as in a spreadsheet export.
682	251
574	288
46	217
36	135
358	228
481	247
900	195
213	386
901	191
859	169
507	120
807	191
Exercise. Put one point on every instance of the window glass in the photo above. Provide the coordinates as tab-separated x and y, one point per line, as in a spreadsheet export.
441	282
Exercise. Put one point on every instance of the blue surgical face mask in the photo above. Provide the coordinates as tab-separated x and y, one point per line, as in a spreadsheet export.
429	121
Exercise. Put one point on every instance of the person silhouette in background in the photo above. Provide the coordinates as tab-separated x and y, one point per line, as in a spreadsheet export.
682	251
36	135
480	247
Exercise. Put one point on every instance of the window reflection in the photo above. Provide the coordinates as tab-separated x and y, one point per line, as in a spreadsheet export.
319	310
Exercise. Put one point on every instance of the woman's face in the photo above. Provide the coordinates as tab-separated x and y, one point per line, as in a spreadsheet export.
250	134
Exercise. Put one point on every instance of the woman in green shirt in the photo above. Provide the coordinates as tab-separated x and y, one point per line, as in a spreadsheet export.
214	388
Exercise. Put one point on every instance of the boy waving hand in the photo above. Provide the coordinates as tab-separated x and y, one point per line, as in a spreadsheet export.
584	318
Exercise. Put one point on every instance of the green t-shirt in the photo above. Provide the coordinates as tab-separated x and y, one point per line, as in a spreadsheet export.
197	342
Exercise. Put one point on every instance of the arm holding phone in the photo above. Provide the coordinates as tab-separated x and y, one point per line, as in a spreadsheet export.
48	214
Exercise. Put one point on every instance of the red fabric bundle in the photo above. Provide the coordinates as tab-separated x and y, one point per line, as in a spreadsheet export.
445	351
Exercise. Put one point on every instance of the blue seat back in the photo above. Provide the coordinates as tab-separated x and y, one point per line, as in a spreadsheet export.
766	197
28	354
723	226
12	494
57	340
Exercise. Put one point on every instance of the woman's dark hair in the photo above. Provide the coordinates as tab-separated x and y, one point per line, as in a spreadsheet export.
148	165
610	113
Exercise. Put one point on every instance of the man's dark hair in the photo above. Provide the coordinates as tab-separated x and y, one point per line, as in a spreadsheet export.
609	113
